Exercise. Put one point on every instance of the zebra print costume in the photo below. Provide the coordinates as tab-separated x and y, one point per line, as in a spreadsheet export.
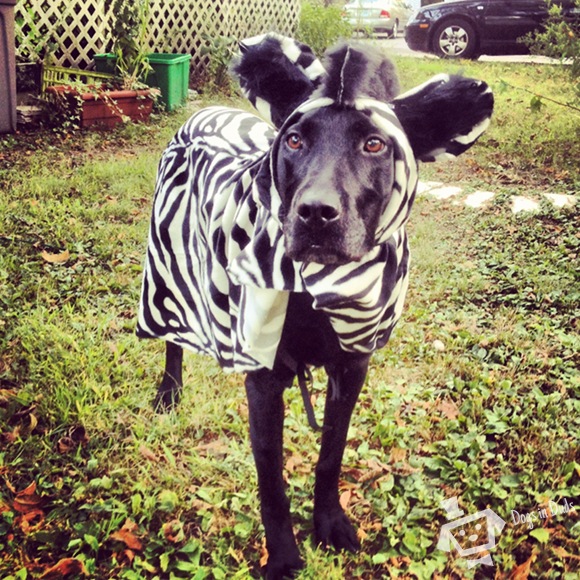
217	279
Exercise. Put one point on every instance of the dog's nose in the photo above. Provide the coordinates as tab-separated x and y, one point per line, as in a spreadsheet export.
317	213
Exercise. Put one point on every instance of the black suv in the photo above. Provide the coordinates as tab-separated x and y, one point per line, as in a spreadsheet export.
468	28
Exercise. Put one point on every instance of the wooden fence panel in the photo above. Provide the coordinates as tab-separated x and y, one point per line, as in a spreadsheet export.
74	30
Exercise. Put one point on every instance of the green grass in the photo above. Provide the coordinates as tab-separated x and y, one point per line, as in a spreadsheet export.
476	396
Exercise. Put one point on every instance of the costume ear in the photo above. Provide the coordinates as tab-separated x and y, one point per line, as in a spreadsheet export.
276	74
444	116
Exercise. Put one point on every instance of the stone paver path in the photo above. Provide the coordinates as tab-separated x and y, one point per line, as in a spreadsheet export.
480	198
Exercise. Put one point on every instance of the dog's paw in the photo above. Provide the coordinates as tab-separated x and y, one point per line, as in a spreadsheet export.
165	401
334	529
283	567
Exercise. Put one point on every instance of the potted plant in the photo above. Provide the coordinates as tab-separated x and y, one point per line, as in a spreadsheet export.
131	58
109	99
130	41
102	103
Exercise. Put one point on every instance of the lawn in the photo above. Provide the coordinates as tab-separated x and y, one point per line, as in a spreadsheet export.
477	396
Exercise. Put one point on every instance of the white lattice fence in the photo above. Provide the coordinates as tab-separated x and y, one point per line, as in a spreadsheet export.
74	30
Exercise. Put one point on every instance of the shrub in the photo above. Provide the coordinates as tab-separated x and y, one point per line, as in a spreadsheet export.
560	39
321	26
220	50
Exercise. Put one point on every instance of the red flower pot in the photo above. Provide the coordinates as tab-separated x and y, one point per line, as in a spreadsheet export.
109	107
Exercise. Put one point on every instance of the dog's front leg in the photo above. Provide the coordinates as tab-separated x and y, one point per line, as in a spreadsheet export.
266	406
169	390
331	525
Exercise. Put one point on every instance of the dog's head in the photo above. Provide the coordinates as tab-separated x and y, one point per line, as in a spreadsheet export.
343	167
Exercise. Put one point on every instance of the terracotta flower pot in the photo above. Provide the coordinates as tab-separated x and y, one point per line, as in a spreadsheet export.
109	107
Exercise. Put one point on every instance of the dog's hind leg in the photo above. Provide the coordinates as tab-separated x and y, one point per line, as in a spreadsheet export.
266	407
331	525
169	390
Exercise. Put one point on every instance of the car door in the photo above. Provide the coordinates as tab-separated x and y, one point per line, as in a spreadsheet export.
507	20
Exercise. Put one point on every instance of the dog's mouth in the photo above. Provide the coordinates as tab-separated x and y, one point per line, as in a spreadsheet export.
320	254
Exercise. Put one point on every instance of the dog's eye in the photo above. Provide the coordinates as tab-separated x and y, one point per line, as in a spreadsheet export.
374	145
294	142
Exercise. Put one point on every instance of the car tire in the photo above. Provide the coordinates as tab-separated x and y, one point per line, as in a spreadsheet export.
455	39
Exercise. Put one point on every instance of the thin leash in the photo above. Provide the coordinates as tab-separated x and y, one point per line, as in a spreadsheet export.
304	376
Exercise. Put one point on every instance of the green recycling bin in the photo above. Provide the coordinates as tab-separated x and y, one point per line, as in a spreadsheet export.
170	74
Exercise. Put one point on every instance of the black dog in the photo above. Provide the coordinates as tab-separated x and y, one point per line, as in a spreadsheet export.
274	252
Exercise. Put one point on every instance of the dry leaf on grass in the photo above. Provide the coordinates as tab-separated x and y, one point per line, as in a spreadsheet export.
30	521
65	567
127	536
173	531
398	454
148	454
522	571
263	554
26	500
448	409
345	497
76	436
59	258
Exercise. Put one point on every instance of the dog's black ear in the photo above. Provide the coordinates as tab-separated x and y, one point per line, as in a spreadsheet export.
276	74
444	116
356	70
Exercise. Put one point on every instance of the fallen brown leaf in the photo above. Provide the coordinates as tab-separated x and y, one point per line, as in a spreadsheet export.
562	553
126	535
65	445
345	499
4	507
76	436
125	557
63	568
30	521
449	409
216	447
27	500
522	571
59	258
398	454
263	554
148	454
293	462
129	539
173	531
6	395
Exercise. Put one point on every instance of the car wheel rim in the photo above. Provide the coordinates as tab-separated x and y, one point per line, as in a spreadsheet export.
453	41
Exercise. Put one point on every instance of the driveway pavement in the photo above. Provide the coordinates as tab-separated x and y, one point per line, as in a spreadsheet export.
398	46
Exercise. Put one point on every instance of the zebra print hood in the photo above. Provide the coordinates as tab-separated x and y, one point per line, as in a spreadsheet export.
268	233
363	299
353	77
